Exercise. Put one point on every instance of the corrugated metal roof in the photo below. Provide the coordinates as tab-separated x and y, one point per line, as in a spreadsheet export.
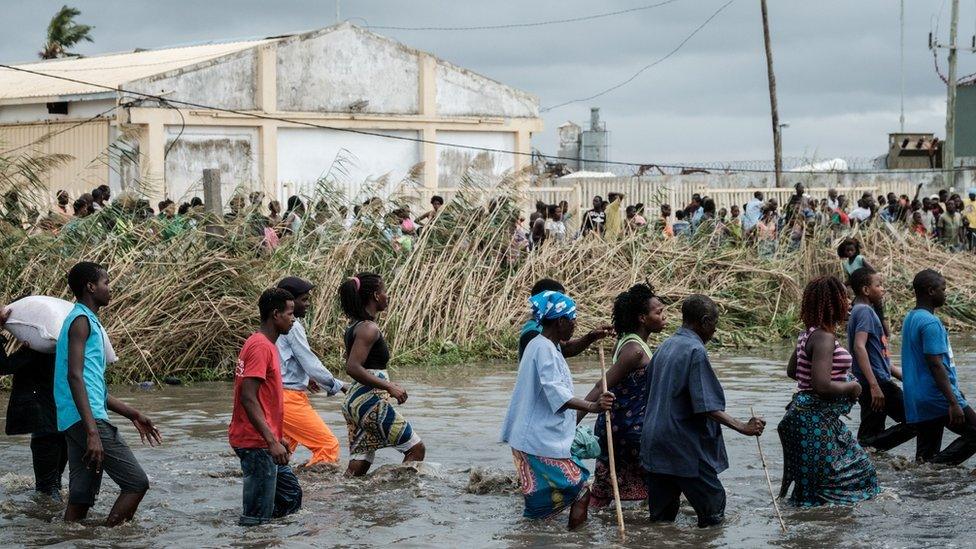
108	70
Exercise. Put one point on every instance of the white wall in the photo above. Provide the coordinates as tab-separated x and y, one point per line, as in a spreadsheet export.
463	93
453	162
233	150
307	154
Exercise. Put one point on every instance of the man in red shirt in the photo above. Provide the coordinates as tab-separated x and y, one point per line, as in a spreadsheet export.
271	489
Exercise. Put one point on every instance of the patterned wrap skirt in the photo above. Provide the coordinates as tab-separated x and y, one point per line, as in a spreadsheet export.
821	456
373	421
549	484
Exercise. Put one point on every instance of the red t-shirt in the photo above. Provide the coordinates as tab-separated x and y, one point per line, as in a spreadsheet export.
258	359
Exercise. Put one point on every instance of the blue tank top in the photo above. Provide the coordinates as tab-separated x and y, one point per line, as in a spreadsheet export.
94	371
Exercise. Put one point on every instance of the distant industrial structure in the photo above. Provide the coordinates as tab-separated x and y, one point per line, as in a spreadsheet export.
591	147
914	151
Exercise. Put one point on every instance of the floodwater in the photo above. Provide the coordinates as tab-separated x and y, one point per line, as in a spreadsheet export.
196	489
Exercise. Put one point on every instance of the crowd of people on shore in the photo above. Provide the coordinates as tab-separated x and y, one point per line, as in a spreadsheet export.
947	218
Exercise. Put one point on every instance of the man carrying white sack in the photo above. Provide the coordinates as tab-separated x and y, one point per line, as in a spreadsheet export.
31	410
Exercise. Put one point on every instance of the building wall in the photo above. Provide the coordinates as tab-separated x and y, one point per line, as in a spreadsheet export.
453	163
329	72
37	112
227	82
348	160
234	150
464	93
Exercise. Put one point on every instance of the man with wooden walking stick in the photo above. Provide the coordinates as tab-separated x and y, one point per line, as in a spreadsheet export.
681	444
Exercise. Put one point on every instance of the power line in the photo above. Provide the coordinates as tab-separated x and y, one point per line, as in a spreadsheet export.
532	24
49	136
645	67
261	116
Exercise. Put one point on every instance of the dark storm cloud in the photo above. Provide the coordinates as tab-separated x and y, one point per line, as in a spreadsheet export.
837	62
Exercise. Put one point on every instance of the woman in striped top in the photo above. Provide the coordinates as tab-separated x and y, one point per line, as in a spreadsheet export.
820	455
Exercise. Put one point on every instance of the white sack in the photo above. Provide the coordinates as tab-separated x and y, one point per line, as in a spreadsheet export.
36	321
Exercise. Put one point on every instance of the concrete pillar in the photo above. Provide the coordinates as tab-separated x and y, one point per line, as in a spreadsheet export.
266	88
266	84
429	156
427	85
152	165
268	159
523	144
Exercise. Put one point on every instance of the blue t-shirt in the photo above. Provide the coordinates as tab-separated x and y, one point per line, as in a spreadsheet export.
93	373
923	334
678	436
865	319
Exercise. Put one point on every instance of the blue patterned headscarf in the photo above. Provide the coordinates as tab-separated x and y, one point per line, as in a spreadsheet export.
552	305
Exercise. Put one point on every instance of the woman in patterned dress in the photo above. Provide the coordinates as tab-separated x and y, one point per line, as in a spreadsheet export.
820	455
637	313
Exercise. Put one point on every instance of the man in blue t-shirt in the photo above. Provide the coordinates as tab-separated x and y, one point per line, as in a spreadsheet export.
933	401
881	397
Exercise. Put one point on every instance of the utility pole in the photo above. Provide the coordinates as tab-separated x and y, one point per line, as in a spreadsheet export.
901	119
948	148
777	142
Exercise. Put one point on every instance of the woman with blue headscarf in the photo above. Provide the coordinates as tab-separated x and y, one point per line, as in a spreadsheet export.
540	425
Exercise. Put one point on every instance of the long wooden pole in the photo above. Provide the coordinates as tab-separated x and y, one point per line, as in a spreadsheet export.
613	466
769	483
777	137
949	146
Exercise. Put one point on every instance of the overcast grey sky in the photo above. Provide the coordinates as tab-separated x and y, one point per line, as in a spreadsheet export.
837	62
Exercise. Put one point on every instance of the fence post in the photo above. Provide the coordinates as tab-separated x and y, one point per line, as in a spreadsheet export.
211	192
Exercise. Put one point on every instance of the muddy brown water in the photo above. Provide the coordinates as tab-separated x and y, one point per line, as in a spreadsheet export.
196	487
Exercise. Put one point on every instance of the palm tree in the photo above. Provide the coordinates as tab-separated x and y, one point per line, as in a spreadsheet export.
63	33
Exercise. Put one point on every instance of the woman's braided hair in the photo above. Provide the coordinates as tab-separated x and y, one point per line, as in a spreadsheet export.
824	303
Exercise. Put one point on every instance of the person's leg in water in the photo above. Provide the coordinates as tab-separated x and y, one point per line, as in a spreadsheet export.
359	465
288	493
706	495
963	447
122	467
872	432
663	495
303	425
579	511
49	455
413	449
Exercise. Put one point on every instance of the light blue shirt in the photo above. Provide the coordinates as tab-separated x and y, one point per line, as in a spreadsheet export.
537	421
752	214
923	334
299	363
93	373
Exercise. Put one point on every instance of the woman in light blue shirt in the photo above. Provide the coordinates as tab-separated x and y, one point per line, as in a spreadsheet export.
541	421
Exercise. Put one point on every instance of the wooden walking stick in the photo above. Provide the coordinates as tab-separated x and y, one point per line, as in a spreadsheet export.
762	457
613	467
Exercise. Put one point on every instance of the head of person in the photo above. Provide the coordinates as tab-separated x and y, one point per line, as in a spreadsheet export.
972	194
237	203
696	201
256	198
708	206
832	193
196	202
301	290
631	212
867	284
824	304
564	206
864	203
943	195
848	248
89	281
916	206
665	210
184	209
638	309
758	195
597	202
842	202
722	213
81	208
556	312
930	288
799	189
163	204
546	285
97	195
926	203
295	204
277	309
106	192
892	197
700	315
541	207
555	212
768	213
680	215
734	210
436	202
63	198
917	217
358	294
950	207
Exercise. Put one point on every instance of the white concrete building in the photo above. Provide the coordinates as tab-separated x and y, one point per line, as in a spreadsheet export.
322	83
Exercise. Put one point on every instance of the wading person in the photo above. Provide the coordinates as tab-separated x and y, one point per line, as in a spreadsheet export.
533	327
540	424
819	453
933	401
881	397
849	252
31	410
271	489
372	419
302	372
83	403
637	313
682	449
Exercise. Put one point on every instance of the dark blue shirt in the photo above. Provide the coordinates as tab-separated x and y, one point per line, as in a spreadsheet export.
865	319
682	388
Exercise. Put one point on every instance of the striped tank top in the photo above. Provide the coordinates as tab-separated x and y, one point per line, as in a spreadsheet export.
839	368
